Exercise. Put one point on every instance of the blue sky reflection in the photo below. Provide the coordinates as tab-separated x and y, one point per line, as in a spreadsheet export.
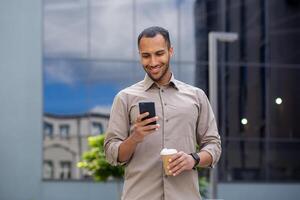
90	50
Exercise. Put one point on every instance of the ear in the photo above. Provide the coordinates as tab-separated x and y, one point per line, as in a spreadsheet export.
171	51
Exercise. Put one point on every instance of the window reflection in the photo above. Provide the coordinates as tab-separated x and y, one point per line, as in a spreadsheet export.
68	143
97	128
48	130
242	161
64	130
48	169
90	53
65	170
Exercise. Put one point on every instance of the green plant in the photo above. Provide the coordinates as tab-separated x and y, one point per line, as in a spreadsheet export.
94	161
202	177
203	186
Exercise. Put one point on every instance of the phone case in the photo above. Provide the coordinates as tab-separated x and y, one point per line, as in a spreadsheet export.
148	107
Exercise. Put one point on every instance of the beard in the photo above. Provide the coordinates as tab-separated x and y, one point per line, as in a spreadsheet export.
165	69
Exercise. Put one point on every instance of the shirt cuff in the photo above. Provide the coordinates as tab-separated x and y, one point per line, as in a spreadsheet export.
214	154
113	153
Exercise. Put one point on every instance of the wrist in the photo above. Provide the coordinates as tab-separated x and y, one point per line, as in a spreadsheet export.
133	140
196	159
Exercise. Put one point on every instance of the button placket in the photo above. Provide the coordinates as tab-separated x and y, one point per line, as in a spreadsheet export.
163	115
164	105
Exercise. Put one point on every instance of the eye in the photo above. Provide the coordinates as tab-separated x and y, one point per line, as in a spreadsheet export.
145	55
160	53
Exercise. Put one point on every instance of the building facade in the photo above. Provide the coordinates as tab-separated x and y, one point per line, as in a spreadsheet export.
258	93
64	141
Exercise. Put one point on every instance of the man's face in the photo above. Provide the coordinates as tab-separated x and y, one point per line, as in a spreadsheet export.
155	58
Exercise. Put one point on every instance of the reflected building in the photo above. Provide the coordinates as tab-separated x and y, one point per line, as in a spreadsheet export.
65	139
262	66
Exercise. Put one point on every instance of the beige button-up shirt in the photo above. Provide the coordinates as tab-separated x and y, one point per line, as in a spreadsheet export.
186	119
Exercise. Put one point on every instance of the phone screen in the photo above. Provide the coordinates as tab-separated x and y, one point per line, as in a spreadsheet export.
148	107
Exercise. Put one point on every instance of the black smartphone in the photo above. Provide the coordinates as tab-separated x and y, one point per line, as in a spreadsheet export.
148	107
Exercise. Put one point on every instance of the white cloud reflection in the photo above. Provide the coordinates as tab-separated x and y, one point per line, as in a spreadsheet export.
104	48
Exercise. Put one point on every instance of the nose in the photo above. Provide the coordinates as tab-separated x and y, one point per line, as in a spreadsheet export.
153	61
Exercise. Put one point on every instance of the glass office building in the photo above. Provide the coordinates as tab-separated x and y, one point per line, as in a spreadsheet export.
90	53
258	94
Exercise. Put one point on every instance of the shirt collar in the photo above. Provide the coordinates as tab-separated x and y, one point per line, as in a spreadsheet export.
148	82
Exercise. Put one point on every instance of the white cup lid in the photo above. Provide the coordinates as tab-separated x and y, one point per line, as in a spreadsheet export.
166	151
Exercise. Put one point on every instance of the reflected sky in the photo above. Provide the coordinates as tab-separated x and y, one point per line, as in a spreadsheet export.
90	50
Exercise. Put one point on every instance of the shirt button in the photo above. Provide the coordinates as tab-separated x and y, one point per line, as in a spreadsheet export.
162	90
167	120
165	104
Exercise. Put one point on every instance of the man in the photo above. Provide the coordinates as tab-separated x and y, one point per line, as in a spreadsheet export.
184	119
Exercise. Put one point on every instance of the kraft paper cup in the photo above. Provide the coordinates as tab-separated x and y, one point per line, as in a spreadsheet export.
166	154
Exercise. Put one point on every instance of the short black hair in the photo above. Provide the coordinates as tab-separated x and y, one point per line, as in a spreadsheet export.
152	32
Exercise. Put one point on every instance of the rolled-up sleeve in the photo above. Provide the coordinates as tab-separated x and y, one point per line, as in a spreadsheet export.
117	131
207	132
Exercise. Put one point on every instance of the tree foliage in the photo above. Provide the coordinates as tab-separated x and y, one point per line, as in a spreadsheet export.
94	161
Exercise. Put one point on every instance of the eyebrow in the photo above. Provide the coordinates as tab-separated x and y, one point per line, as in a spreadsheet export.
159	51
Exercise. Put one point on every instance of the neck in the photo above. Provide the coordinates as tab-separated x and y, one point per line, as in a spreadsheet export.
165	80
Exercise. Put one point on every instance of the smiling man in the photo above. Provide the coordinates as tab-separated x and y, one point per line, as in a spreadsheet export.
184	119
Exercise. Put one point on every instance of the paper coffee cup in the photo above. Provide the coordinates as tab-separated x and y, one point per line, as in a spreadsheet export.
166	154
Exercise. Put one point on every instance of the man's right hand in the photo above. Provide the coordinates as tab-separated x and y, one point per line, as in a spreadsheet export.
140	129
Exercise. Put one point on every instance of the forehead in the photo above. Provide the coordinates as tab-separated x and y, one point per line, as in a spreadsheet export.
152	44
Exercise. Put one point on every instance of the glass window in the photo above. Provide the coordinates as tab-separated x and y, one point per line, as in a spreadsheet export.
284	102
48	169
112	29
65	22
64	131
242	160
283	161
48	130
97	128
65	170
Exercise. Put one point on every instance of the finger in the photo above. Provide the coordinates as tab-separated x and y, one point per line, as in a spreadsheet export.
151	127
180	165
141	116
176	156
176	162
145	130
147	121
148	132
179	170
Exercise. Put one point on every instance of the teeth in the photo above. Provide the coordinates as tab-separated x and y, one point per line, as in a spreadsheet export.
154	69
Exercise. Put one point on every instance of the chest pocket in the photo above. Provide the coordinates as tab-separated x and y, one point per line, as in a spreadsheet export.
186	113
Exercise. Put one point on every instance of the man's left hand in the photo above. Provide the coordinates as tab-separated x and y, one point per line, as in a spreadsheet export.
181	162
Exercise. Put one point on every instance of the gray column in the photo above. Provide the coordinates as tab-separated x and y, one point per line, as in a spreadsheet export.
20	99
